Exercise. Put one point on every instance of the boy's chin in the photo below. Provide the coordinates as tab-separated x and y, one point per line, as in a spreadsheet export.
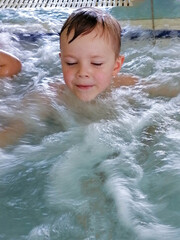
86	97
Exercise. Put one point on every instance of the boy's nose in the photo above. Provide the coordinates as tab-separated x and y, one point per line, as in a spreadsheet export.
83	71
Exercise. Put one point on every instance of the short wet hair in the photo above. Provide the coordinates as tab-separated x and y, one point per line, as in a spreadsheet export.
84	20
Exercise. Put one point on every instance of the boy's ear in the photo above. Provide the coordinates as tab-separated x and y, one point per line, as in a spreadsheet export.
118	65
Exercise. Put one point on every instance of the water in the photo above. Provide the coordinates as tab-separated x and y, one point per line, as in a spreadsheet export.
106	170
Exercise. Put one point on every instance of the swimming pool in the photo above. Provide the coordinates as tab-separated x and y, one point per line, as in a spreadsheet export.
108	170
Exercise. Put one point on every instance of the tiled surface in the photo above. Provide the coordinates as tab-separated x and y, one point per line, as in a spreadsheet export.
139	11
166	9
167	24
134	12
145	24
166	14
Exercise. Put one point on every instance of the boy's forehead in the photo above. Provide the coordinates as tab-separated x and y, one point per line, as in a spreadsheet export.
98	31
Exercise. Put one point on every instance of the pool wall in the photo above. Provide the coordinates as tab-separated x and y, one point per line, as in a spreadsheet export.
157	18
151	14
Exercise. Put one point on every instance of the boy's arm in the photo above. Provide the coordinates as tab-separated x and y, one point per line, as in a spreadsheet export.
162	90
124	80
153	90
9	65
11	133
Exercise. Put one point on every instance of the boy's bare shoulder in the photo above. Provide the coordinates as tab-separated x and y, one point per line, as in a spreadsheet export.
125	80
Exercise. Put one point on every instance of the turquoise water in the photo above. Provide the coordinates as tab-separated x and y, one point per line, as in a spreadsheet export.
106	170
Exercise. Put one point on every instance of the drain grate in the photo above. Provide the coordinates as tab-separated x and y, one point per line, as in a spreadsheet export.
63	3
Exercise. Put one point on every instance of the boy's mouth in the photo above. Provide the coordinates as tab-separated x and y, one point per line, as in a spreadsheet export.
84	87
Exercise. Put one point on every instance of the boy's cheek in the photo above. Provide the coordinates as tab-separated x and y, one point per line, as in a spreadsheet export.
104	77
67	73
68	77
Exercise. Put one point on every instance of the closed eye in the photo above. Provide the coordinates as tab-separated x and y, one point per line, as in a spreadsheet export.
71	63
96	64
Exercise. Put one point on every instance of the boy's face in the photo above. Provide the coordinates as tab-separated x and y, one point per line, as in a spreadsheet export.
88	64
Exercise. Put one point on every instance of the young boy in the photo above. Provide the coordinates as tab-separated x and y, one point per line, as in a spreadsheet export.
9	65
90	42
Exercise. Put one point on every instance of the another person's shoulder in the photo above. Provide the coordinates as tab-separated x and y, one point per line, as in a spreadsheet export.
9	64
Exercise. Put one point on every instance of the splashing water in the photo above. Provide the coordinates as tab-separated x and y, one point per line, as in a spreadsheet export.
107	170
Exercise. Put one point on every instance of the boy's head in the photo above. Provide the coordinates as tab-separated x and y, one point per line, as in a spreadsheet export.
84	20
90	41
